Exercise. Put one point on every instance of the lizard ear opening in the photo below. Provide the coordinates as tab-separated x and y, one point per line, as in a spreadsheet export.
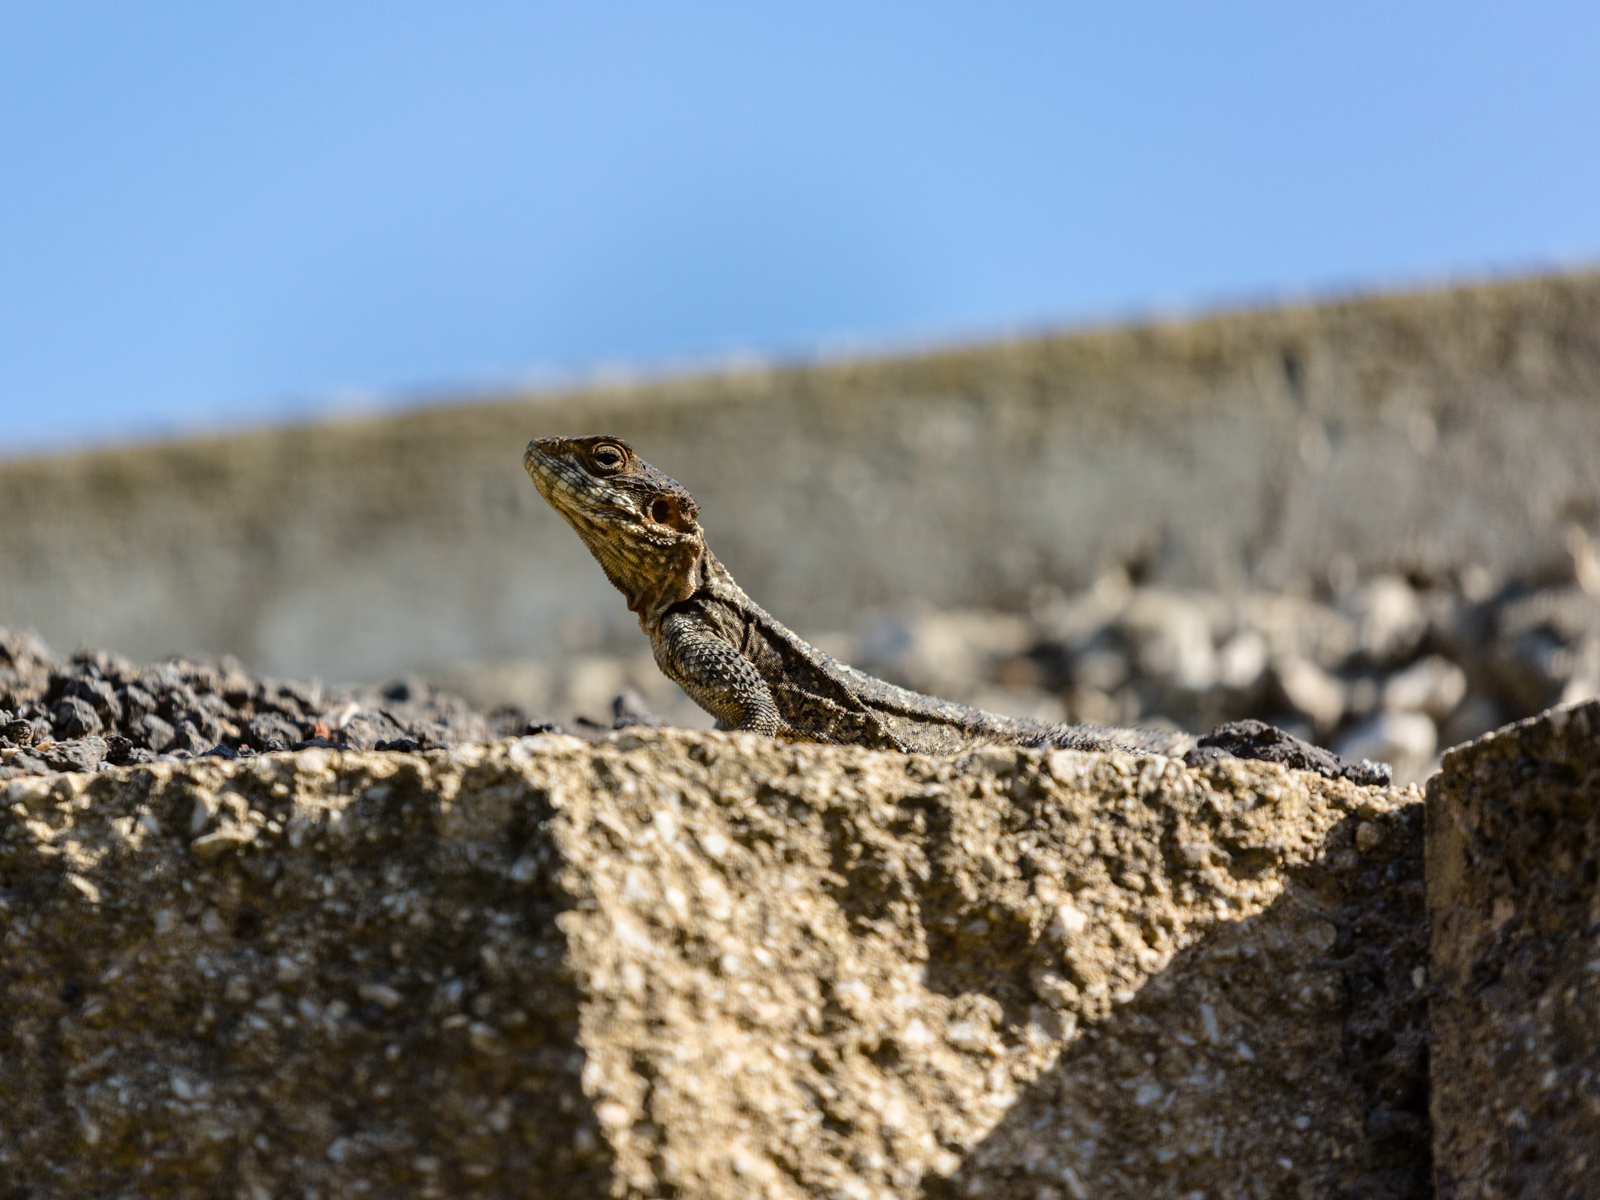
665	510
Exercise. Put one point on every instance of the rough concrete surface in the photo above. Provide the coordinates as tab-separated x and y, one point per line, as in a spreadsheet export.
1513	842
700	964
1415	432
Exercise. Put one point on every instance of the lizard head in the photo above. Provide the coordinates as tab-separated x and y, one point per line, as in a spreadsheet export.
640	524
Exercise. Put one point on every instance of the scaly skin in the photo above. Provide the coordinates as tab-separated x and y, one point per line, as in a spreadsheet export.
734	659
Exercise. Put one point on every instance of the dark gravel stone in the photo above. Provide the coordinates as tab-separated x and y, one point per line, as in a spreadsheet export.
507	721
404	745
630	708
112	711
1258	740
400	691
271	731
121	751
177	701
100	694
365	730
75	754
73	717
295	698
151	732
136	702
187	737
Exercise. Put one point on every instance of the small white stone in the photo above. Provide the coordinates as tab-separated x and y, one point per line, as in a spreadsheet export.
752	1167
229	837
525	869
1433	685
205	807
1322	935
1147	1094
379	993
1069	920
915	1034
1311	690
634	888
1504	909
1407	736
1242	659
970	1037
896	1116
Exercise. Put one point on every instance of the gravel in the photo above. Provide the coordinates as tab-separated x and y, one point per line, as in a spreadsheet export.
96	709
1394	668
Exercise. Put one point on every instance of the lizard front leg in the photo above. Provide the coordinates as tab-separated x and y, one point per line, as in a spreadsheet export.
717	677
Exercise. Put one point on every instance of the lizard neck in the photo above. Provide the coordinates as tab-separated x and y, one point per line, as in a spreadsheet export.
693	570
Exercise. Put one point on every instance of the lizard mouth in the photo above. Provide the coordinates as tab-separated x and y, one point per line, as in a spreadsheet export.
540	463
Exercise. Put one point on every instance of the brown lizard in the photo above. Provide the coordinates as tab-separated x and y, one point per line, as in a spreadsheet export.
753	673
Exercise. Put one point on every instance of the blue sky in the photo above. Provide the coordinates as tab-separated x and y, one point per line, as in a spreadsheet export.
214	214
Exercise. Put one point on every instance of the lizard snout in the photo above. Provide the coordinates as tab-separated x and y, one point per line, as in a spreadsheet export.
536	458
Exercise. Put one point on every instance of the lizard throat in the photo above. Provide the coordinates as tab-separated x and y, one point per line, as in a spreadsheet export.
653	578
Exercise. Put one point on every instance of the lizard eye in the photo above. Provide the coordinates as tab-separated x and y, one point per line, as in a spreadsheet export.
607	458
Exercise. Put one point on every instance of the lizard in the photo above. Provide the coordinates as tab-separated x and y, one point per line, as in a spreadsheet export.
750	671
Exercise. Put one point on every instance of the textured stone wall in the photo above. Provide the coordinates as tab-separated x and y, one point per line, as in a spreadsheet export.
703	964
1423	431
1513	849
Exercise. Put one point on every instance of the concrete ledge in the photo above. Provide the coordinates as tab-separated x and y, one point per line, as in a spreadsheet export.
703	964
1513	841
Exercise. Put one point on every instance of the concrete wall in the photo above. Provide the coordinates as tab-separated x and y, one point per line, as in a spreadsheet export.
1420	431
1513	846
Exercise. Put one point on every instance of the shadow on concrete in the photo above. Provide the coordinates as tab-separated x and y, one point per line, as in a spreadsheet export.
1284	1055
